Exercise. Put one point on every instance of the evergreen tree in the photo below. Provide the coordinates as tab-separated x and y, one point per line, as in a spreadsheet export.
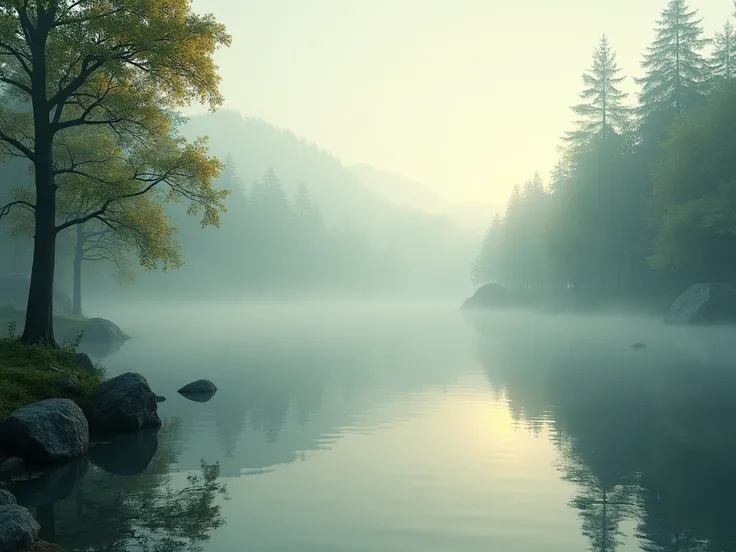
675	67
723	59
603	110
485	266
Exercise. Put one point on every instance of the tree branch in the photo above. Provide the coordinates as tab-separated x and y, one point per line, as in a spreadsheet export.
5	210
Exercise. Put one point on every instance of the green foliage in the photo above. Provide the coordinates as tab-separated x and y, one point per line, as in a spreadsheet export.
723	59
676	69
115	73
634	212
603	110
25	376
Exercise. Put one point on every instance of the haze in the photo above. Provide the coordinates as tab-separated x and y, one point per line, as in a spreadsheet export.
468	97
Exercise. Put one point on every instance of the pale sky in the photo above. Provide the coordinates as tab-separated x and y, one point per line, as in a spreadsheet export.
468	97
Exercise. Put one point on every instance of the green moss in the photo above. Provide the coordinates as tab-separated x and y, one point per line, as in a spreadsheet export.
25	376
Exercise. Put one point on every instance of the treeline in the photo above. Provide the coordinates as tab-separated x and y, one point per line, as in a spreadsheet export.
269	240
643	198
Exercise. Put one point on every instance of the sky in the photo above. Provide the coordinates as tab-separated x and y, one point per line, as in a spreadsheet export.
467	97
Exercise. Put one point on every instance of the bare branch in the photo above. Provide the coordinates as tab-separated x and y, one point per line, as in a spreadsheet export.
5	210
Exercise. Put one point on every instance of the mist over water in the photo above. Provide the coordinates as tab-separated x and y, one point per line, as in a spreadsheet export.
414	426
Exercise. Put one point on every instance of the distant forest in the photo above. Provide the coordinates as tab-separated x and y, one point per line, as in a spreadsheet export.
297	223
643	199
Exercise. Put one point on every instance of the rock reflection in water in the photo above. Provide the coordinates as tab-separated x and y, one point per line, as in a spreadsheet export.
125	496
127	454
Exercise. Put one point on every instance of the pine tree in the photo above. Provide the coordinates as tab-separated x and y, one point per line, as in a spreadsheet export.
486	264
603	110
723	59
676	69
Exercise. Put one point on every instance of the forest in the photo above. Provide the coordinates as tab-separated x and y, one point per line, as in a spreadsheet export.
642	201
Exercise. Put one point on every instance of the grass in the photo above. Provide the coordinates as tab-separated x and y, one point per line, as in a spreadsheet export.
25	376
66	327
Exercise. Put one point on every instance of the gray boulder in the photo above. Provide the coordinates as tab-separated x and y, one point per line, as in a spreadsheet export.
85	363
705	303
121	404
202	386
100	330
6	497
18	529
45	432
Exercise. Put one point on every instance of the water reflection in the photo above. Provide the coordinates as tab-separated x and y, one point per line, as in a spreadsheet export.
96	504
645	437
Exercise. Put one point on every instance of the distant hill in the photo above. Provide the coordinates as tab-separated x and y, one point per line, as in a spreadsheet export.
403	191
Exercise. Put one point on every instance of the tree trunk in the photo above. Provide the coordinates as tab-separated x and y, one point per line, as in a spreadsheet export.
78	257
39	327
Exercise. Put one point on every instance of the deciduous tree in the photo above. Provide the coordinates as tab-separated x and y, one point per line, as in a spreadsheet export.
121	65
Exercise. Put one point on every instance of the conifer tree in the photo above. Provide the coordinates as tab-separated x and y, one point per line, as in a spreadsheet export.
723	59
602	111
675	67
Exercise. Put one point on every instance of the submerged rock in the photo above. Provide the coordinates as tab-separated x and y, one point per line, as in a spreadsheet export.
100	330
12	466
48	431
202	386
492	296
705	303
18	529
121	404
638	345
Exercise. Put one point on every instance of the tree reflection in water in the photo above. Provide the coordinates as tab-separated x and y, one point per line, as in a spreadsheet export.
646	438
126	496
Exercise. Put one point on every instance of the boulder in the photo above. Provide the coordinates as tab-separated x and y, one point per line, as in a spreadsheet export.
18	529
492	296
160	398
100	330
12	466
6	497
704	303
121	404
202	386
66	384
45	432
14	290
85	363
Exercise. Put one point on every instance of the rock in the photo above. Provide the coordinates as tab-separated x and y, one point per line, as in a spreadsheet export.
85	363
100	330
160	398
492	296
18	529
65	384
705	303
14	289
6	497
202	386
48	431
12	466
43	546
121	404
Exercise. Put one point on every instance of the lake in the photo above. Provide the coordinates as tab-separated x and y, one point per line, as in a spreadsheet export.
387	427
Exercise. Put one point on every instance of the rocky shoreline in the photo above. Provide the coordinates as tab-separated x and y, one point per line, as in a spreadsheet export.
46	436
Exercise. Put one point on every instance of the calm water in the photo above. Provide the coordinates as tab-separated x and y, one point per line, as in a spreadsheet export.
387	428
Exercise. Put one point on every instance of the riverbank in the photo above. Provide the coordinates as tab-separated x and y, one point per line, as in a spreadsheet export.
493	296
30	373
